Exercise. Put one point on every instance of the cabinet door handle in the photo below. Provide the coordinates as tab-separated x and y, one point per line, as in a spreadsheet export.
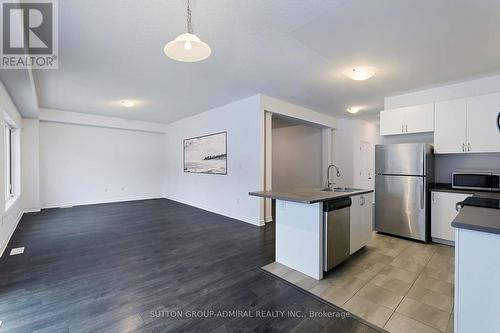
406	128
468	146
402	128
463	147
362	201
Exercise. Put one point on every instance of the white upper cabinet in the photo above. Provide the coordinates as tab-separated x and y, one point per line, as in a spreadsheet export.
392	122
468	125
483	132
407	120
420	118
450	132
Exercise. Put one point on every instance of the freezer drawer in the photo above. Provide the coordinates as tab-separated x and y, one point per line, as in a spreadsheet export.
400	206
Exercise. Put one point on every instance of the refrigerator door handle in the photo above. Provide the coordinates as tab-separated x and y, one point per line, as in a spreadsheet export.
422	197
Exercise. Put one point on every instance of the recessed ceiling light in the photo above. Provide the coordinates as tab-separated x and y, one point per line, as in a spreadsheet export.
360	73
353	109
127	103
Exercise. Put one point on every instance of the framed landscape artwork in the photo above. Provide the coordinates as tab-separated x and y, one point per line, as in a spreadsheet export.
206	154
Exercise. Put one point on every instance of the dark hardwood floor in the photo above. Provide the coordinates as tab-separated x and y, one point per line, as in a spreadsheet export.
122	267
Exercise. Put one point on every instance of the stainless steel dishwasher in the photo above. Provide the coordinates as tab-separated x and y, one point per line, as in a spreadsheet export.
337	225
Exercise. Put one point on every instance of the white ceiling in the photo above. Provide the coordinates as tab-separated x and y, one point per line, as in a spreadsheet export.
290	49
19	84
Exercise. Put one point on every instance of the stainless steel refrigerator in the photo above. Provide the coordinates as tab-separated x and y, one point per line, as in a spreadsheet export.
403	175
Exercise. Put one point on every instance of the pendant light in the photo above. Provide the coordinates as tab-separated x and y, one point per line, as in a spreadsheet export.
187	47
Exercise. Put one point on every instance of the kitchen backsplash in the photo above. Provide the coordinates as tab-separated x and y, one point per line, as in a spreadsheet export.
447	163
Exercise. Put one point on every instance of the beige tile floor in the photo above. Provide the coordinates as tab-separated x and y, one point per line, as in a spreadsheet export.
395	284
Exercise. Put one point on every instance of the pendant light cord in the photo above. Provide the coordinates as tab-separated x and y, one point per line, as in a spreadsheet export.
189	23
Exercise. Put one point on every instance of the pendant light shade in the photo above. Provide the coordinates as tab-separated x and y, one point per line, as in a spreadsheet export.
187	47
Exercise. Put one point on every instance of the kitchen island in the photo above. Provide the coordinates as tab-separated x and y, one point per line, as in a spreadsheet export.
300	226
477	249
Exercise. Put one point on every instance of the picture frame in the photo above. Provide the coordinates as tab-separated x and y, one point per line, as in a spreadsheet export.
206	154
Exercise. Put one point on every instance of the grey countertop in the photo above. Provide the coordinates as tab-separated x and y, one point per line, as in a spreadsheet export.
444	187
479	219
307	196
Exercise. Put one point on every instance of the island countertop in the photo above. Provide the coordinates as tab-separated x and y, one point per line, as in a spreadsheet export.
307	196
478	219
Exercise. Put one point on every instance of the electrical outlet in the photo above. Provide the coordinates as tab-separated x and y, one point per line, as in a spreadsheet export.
16	251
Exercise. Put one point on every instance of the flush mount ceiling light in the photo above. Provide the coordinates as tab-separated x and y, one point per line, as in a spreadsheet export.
187	47
360	73
127	103
353	109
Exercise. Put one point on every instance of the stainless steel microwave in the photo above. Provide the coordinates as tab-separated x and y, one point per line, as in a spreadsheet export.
476	180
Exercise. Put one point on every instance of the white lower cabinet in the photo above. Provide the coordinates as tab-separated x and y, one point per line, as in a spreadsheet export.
361	221
443	212
477	291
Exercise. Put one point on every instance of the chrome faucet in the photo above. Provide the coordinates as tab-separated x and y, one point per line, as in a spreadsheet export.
328	182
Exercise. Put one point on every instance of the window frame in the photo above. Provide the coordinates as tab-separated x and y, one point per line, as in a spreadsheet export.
8	162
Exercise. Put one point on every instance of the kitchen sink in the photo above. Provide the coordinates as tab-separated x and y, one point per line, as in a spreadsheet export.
340	189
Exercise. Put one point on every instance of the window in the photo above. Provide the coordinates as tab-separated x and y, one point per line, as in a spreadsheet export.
9	165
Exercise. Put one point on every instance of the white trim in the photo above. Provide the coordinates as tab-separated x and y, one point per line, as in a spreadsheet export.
32	210
77	118
97	202
10	201
275	105
443	241
11	232
268	219
250	220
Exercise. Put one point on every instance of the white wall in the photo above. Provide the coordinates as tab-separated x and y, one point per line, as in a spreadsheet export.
82	164
440	93
297	157
346	144
9	217
223	194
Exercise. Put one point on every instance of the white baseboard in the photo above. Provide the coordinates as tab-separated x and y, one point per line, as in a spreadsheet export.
443	241
254	221
11	232
96	202
32	210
